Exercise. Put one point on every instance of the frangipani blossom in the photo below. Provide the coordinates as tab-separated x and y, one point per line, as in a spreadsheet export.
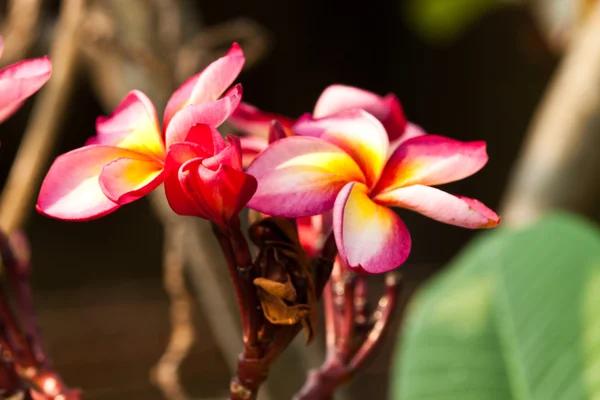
342	164
21	80
255	124
126	160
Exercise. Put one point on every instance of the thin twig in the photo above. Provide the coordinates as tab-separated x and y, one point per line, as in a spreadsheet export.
47	117
166	371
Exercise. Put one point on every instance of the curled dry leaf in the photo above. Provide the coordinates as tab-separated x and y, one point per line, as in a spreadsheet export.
285	284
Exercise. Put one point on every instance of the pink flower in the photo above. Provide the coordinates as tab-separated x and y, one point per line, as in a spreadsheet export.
255	124
126	160
19	81
342	163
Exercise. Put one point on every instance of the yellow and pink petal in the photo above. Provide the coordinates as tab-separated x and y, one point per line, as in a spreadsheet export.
207	85
71	189
356	132
127	179
21	80
441	206
301	176
386	109
431	160
370	237
133	125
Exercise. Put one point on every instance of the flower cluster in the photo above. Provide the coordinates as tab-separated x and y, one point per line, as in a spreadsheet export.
351	160
339	169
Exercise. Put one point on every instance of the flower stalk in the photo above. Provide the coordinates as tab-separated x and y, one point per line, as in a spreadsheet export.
351	338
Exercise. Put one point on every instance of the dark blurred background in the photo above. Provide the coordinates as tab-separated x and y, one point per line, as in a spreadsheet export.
98	284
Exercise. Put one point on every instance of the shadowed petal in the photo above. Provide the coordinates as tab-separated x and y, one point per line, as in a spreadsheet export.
386	109
431	160
133	125
301	176
252	147
221	193
71	189
358	133
370	237
231	155
128	179
207	137
19	81
179	154
212	113
208	85
441	206
254	122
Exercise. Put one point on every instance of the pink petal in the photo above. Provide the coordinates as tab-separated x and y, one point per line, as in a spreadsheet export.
301	176
441	206
212	113
133	125
179	154
251	121
19	81
208	85
386	109
221	193
431	160
370	237
356	132
71	189
128	179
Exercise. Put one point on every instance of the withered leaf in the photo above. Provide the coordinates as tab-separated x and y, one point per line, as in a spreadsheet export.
283	290
278	312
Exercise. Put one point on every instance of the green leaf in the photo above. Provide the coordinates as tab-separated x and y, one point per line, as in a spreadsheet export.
444	20
516	316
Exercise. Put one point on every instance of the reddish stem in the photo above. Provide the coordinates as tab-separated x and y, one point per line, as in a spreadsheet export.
348	348
252	370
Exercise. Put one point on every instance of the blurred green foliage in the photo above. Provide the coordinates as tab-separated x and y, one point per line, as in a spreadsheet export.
444	20
516	316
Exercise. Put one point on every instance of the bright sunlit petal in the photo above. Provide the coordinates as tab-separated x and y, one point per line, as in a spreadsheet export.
441	206
208	85
356	132
370	237
133	125
431	160
301	176
71	189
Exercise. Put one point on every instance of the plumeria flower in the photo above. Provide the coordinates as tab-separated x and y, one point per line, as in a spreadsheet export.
256	124
126	160
204	176
341	163
259	131
21	80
